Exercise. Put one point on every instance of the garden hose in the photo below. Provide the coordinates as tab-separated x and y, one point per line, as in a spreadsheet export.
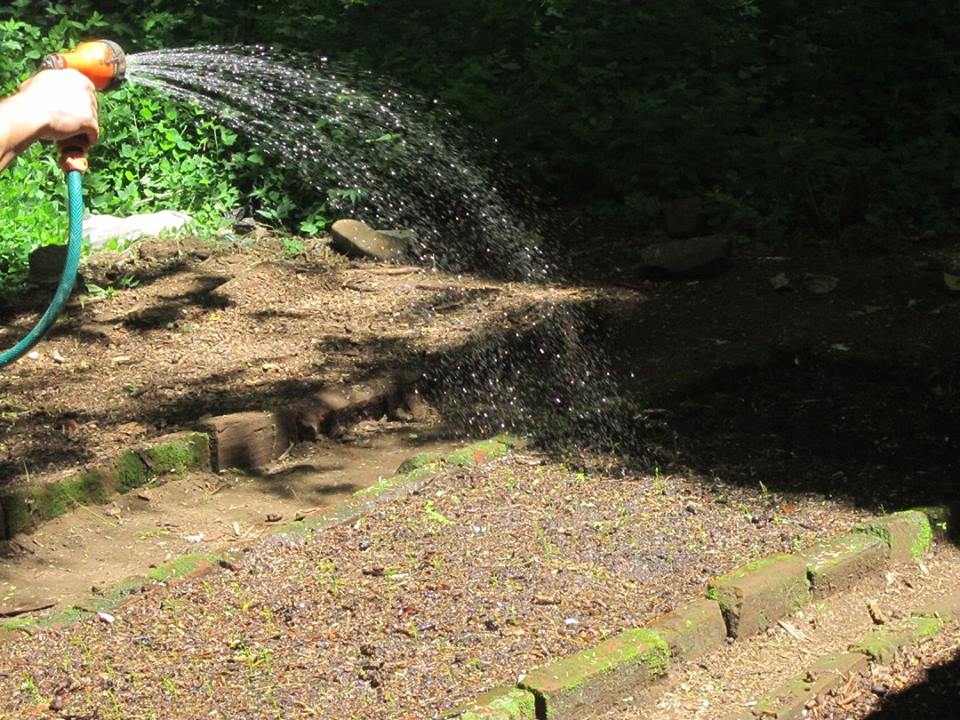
67	279
104	63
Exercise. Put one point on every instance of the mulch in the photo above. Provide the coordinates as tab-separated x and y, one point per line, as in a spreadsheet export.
480	577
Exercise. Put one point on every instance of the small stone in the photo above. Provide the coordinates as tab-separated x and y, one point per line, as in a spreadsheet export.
691	507
357	239
681	257
820	284
780	282
545	600
273	517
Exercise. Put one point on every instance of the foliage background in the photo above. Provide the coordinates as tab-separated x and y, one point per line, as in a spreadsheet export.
788	118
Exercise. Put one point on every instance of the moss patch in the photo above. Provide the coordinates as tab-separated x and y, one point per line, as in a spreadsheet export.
132	472
882	644
639	646
26	508
418	461
921	543
500	704
178	453
181	566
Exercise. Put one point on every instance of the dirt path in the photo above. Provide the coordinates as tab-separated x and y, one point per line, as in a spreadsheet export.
815	408
95	547
725	683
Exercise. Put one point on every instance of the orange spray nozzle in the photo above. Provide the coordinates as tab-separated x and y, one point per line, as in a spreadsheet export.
103	61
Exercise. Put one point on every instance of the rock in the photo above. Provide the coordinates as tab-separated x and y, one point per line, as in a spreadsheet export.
357	239
249	439
100	229
820	284
780	282
46	264
684	218
681	257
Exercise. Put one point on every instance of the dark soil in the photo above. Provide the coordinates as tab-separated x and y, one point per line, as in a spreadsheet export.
750	420
209	330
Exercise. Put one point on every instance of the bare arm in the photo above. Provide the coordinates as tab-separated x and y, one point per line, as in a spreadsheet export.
52	105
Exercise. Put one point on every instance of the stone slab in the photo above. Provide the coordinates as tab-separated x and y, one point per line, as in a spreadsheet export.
503	703
584	684
329	411
758	594
907	534
248	439
790	699
946	609
836	564
882	644
693	630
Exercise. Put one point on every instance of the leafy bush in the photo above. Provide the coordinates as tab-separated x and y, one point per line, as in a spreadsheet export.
154	153
786	117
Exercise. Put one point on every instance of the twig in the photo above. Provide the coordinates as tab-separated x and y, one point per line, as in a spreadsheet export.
14	612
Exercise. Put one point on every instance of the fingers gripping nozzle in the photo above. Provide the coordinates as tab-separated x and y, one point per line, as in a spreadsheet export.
105	64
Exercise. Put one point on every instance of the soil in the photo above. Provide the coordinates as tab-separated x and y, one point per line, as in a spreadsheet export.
757	420
731	681
95	547
212	329
485	574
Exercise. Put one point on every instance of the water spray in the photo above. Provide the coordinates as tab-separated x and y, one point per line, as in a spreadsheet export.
104	63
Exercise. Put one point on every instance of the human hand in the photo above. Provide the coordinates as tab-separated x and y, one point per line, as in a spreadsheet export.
59	104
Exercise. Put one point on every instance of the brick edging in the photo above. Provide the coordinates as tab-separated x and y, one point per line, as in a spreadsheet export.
418	470
244	440
737	605
880	645
154	461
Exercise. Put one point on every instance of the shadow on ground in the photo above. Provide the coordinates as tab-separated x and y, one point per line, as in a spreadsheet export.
934	697
853	393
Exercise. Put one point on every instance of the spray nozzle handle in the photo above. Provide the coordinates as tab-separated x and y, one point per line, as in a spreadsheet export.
73	153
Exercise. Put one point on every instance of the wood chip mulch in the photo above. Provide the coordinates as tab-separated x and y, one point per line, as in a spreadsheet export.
483	575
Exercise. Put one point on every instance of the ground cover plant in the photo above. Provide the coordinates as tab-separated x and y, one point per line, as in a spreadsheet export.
787	119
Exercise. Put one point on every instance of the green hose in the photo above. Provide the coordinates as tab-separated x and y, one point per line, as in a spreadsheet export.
67	279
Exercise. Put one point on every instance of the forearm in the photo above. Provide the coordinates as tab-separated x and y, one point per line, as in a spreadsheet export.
19	127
